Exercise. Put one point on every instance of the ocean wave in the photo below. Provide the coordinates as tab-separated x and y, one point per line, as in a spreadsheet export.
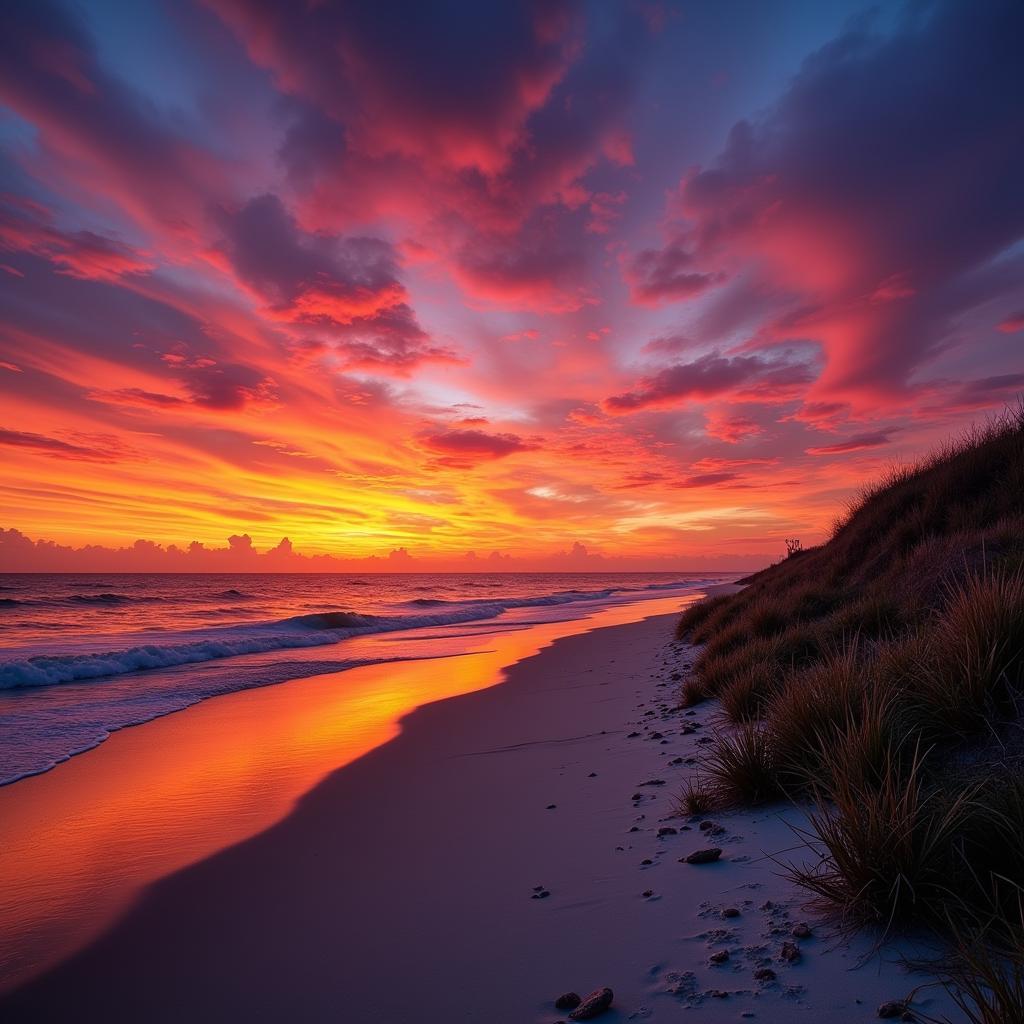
51	669
314	629
334	620
105	599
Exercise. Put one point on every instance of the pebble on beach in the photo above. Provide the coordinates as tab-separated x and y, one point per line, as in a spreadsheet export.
894	1008
595	1004
703	856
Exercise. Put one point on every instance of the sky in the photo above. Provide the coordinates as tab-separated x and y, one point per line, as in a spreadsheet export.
548	285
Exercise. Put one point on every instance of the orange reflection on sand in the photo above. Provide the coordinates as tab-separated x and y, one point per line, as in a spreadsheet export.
81	841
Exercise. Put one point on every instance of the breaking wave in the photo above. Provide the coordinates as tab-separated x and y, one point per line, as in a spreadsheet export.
315	629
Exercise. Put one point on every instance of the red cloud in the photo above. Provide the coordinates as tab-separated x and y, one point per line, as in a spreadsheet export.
1012	324
666	275
533	270
27	227
417	86
92	122
94	449
707	480
731	429
307	277
879	269
466	447
821	415
349	285
752	376
857	443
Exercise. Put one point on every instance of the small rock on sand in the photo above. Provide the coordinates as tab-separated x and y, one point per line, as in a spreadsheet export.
791	952
568	1001
764	974
703	856
801	931
730	912
720	956
594	1005
668	830
894	1008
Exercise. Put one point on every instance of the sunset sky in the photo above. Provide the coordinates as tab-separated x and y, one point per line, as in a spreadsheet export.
665	280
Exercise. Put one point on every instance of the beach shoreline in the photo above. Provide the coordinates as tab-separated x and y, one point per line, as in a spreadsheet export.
402	887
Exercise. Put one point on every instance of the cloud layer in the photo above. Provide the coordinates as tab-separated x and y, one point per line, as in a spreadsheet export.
499	277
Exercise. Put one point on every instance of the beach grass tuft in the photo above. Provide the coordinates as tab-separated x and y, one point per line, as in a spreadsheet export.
696	797
741	767
879	676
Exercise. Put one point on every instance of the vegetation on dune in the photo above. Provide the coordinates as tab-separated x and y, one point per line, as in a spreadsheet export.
880	676
985	971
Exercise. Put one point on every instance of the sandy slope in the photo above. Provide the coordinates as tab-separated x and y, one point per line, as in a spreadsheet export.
400	889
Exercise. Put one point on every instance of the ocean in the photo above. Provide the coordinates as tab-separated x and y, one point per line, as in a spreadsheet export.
82	655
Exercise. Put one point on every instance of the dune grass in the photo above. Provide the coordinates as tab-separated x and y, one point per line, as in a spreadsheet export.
879	676
741	767
984	969
695	798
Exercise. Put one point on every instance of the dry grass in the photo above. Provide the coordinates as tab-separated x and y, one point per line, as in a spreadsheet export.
879	673
701	620
741	767
980	647
885	850
693	691
985	971
744	698
695	798
805	716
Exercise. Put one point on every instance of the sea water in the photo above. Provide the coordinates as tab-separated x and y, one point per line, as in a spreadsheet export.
82	655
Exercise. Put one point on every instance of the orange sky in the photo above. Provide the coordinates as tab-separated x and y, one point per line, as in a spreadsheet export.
642	281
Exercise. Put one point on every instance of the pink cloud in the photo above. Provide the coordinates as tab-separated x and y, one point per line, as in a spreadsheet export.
857	443
461	448
27	227
745	376
861	256
731	429
1012	324
667	275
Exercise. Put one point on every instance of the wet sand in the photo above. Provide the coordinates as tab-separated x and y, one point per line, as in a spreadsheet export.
80	842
